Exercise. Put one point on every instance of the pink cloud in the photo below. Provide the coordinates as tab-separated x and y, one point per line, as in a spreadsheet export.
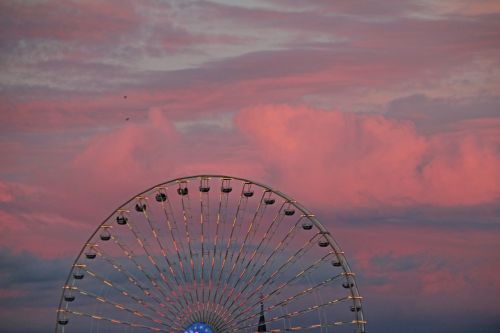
125	156
131	158
322	158
10	190
5	195
41	233
105	171
425	266
371	160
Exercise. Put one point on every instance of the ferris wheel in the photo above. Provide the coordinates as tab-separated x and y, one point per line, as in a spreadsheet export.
210	254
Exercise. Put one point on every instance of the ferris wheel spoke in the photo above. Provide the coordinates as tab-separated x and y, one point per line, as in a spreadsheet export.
204	188
119	306
130	255
181	251
207	307
241	248
216	238
252	227
187	219
267	200
295	297
207	267
127	293
216	261
269	262
298	312
253	257
313	326
256	276
276	291
228	246
164	253
275	221
237	236
271	279
150	257
112	320
204	216
178	246
244	269
225	190
130	277
238	257
274	278
169	295
302	273
155	234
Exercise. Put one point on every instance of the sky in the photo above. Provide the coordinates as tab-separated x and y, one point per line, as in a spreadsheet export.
382	117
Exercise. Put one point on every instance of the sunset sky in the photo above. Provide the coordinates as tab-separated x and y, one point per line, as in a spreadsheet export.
382	117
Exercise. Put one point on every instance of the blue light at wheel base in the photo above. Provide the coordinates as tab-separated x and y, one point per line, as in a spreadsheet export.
199	328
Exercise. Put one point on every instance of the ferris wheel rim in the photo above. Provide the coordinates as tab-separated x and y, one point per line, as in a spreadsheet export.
354	291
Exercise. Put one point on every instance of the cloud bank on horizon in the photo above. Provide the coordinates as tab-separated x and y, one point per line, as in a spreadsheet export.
382	116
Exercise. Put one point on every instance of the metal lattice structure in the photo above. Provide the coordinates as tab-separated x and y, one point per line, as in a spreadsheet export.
232	254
